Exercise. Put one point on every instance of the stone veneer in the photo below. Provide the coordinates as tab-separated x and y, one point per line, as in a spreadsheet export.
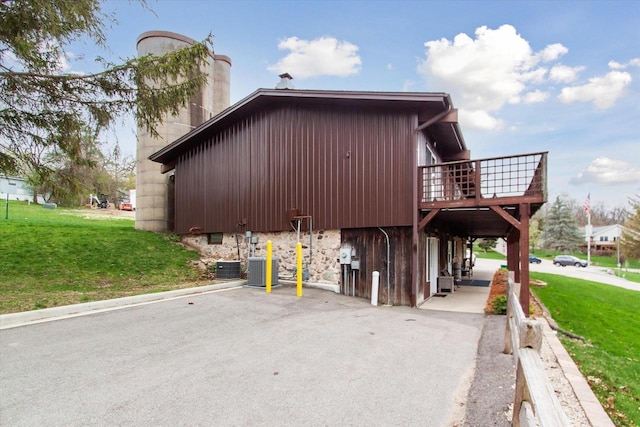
324	267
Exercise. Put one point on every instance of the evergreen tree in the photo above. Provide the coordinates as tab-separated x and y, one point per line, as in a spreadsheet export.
45	110
560	232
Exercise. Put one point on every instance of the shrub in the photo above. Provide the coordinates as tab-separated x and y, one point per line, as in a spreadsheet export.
499	304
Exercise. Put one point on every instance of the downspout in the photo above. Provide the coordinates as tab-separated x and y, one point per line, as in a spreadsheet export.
414	246
388	264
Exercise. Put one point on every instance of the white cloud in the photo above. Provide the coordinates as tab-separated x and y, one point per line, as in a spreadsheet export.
606	171
479	119
615	65
485	73
552	52
56	55
564	74
389	66
324	56
603	91
535	97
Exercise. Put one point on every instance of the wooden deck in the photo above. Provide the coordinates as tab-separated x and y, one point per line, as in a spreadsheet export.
488	182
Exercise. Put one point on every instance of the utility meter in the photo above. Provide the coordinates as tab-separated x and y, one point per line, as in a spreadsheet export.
345	255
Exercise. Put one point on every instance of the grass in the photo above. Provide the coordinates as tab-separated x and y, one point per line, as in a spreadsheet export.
490	254
607	317
632	277
58	257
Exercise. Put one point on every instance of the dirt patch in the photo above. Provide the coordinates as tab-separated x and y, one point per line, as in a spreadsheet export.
110	213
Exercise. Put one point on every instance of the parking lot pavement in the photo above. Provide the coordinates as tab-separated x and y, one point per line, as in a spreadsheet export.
242	357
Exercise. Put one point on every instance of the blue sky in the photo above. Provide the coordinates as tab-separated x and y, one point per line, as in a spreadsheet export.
527	76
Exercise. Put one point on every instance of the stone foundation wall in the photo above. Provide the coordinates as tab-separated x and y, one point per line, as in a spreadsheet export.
325	244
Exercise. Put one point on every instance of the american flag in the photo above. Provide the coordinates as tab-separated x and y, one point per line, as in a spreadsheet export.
587	204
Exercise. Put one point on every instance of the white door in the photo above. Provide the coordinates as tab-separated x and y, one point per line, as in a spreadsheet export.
432	264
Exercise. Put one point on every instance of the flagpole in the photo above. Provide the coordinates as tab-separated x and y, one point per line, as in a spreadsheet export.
589	238
587	210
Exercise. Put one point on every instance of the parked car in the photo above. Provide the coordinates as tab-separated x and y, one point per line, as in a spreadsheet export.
564	260
534	259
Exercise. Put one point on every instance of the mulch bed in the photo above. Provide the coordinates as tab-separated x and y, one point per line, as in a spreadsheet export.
499	287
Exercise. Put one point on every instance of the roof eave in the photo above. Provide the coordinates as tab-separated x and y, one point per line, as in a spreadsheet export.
167	153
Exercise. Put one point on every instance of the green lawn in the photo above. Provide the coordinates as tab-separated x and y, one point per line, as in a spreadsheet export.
608	318
490	254
58	257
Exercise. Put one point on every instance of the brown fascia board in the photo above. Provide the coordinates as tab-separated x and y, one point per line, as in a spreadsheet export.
256	99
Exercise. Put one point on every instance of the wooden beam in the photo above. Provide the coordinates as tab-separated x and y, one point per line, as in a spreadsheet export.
505	215
460	155
450	117
482	202
524	258
513	254
167	167
427	219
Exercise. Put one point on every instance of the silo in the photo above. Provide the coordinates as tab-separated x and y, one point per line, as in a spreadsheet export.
154	210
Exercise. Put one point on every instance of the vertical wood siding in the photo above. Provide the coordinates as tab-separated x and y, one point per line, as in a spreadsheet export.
371	247
345	168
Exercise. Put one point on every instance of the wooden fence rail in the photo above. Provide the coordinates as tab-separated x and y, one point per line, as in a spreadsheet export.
535	402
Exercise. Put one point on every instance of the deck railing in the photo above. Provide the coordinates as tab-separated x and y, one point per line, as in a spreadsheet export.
497	177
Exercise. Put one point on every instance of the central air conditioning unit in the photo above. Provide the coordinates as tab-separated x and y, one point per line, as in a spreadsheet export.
257	272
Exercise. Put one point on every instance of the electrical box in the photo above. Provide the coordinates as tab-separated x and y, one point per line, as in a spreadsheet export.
355	264
345	255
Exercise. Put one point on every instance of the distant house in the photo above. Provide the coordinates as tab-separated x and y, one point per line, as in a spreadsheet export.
367	181
605	238
17	189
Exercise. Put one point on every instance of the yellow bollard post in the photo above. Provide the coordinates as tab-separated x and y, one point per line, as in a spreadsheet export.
299	269
269	267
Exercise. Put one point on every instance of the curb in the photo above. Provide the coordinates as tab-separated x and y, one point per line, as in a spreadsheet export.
588	400
14	320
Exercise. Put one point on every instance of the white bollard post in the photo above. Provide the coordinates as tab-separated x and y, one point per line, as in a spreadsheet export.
374	288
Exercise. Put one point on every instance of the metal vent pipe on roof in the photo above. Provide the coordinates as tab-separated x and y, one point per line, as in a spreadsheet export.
285	82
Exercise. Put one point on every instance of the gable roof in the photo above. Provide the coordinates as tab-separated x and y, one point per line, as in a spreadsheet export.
611	230
445	129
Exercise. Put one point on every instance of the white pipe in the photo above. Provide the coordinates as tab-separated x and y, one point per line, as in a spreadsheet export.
388	265
345	280
374	288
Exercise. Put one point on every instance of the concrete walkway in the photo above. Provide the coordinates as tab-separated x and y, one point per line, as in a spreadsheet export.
465	299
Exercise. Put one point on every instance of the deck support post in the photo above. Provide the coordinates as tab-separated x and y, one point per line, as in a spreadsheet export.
524	257
513	254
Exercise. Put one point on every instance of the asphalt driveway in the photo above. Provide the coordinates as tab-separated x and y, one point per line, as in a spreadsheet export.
241	357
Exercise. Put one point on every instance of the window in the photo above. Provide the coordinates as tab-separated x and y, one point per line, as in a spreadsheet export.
214	238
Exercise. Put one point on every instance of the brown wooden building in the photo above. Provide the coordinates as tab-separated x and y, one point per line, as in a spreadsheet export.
390	171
